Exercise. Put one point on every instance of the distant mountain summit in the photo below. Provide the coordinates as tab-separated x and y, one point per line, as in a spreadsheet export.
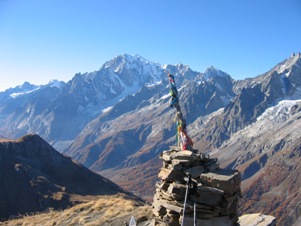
35	177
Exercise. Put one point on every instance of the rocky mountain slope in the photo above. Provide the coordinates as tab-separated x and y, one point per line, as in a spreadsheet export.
267	150
35	177
268	154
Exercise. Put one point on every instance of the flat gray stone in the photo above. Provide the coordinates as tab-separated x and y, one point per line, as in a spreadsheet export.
178	189
172	206
209	196
257	219
171	175
226	180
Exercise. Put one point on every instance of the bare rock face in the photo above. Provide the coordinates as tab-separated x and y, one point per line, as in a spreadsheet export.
211	193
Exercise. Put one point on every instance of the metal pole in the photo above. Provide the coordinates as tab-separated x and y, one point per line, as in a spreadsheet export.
186	194
194	210
185	204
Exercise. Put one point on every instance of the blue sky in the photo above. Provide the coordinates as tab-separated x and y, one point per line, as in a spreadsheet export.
42	40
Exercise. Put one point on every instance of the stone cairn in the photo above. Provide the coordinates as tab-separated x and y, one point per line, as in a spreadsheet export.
215	193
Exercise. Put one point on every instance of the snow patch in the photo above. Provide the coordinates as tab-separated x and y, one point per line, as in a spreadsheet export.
164	97
278	113
165	66
182	87
287	74
282	67
200	82
107	109
15	95
153	84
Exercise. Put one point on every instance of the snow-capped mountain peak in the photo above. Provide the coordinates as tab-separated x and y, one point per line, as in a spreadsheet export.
133	68
127	61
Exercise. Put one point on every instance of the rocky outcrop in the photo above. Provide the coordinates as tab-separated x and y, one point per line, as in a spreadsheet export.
211	193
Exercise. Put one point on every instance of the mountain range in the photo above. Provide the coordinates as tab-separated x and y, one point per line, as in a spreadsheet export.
117	120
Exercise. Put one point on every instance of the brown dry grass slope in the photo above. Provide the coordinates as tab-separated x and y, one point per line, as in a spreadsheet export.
107	210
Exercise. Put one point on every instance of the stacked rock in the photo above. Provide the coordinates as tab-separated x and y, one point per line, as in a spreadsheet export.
211	196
